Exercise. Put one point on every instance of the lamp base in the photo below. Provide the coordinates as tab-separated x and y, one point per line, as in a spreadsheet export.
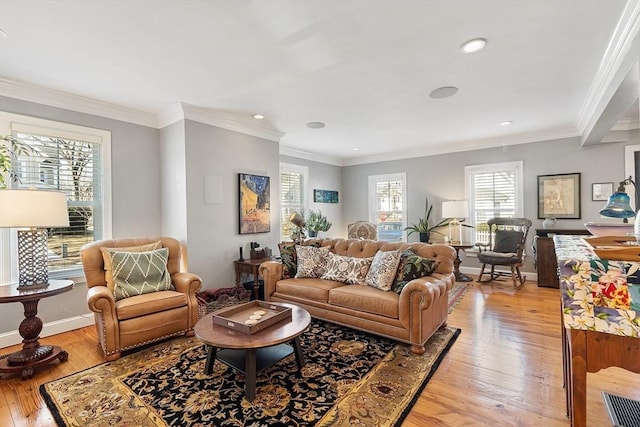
33	259
32	286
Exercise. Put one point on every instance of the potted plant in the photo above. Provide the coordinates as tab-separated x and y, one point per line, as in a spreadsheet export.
425	226
317	222
10	147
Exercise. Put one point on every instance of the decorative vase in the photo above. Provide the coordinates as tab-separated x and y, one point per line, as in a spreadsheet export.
549	222
313	233
424	237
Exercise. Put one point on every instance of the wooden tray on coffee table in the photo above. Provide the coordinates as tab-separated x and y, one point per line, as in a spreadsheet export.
236	316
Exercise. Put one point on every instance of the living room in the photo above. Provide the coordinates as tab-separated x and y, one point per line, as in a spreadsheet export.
159	164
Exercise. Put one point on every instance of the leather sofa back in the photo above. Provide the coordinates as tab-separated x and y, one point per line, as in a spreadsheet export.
367	248
93	263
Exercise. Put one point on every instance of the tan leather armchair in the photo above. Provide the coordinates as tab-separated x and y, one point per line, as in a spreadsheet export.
140	319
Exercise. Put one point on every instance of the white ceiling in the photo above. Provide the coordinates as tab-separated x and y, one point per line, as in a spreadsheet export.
363	67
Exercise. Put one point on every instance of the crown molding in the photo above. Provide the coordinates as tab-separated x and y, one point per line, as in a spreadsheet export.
627	124
456	147
315	157
613	68
237	122
67	101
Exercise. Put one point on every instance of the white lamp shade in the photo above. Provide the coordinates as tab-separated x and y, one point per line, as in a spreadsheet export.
33	208
455	209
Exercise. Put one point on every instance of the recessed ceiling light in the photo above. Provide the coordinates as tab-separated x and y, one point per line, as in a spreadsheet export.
258	116
506	123
473	45
355	149
315	125
443	92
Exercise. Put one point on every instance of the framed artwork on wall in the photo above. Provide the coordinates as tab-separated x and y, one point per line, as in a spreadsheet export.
559	196
600	191
325	196
254	204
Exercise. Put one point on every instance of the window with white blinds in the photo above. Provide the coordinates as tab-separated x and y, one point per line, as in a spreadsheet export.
293	190
387	207
495	190
71	159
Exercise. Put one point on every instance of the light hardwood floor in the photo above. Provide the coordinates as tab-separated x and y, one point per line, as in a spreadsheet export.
505	369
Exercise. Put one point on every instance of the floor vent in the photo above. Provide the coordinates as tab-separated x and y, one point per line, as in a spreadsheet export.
623	412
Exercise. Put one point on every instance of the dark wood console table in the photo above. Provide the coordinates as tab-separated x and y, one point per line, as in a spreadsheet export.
33	354
249	266
545	255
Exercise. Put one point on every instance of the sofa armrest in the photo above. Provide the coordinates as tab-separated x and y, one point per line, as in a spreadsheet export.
418	295
271	272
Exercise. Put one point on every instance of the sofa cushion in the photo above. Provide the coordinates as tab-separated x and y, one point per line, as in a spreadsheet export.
411	267
137	273
383	269
347	269
366	299
311	289
312	261
108	265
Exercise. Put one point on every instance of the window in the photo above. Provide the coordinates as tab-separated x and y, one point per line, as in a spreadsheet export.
495	190
67	158
293	190
387	205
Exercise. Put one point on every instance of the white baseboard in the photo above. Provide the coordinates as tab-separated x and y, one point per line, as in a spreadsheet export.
476	270
50	328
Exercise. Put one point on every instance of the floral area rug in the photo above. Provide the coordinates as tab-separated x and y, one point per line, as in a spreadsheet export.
456	293
348	377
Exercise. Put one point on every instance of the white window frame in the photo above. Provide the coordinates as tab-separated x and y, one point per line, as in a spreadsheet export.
304	171
373	202
10	123
470	171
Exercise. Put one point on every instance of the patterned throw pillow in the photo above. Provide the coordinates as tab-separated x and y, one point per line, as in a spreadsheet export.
411	267
106	257
137	273
289	258
347	269
383	270
312	261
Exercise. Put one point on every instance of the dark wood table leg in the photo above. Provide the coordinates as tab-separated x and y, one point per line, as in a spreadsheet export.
211	359
297	348
460	276
578	378
250	374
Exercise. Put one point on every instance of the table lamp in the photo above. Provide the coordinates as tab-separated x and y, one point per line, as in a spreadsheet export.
298	220
456	209
35	210
619	205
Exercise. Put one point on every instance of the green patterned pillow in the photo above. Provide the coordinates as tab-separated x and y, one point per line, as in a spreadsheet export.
411	267
289	258
137	273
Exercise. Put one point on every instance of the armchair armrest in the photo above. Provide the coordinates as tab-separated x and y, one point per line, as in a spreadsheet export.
187	283
483	246
100	300
271	272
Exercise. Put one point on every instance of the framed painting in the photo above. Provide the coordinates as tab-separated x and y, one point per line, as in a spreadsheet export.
254	203
559	196
600	191
325	196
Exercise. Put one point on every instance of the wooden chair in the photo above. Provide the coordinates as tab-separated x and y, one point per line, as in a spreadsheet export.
506	245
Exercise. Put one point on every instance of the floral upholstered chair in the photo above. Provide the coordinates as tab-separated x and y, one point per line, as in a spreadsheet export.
362	230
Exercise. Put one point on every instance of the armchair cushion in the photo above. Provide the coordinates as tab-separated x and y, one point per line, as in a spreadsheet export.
137	273
108	265
507	240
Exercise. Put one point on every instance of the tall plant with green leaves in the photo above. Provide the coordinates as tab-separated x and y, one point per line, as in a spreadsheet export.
10	148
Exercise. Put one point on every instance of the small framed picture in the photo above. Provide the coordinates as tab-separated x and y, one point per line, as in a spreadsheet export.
600	191
559	196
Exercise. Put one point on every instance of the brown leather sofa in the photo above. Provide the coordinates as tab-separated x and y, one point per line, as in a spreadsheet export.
410	317
141	319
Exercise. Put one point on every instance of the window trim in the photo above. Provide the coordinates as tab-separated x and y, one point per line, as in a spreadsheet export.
10	123
302	170
372	201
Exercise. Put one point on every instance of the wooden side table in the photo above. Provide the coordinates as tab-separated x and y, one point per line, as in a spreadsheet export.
460	276
33	354
247	267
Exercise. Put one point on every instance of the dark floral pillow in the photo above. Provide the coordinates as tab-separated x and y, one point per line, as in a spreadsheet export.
289	258
411	267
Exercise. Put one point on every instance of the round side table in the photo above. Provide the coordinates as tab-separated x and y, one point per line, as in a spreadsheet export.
33	354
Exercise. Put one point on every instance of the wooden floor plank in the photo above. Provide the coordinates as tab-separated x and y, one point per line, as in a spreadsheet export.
505	369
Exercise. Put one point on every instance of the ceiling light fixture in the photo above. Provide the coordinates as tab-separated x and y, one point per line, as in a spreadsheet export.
258	116
473	45
506	123
315	125
443	92
355	149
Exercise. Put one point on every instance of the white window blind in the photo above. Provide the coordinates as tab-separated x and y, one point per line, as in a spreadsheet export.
495	190
293	190
70	159
387	207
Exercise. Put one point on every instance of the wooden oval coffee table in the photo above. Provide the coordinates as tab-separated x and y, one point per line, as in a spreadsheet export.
251	353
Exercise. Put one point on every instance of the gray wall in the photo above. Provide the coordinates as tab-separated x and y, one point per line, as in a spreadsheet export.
135	191
323	176
441	177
